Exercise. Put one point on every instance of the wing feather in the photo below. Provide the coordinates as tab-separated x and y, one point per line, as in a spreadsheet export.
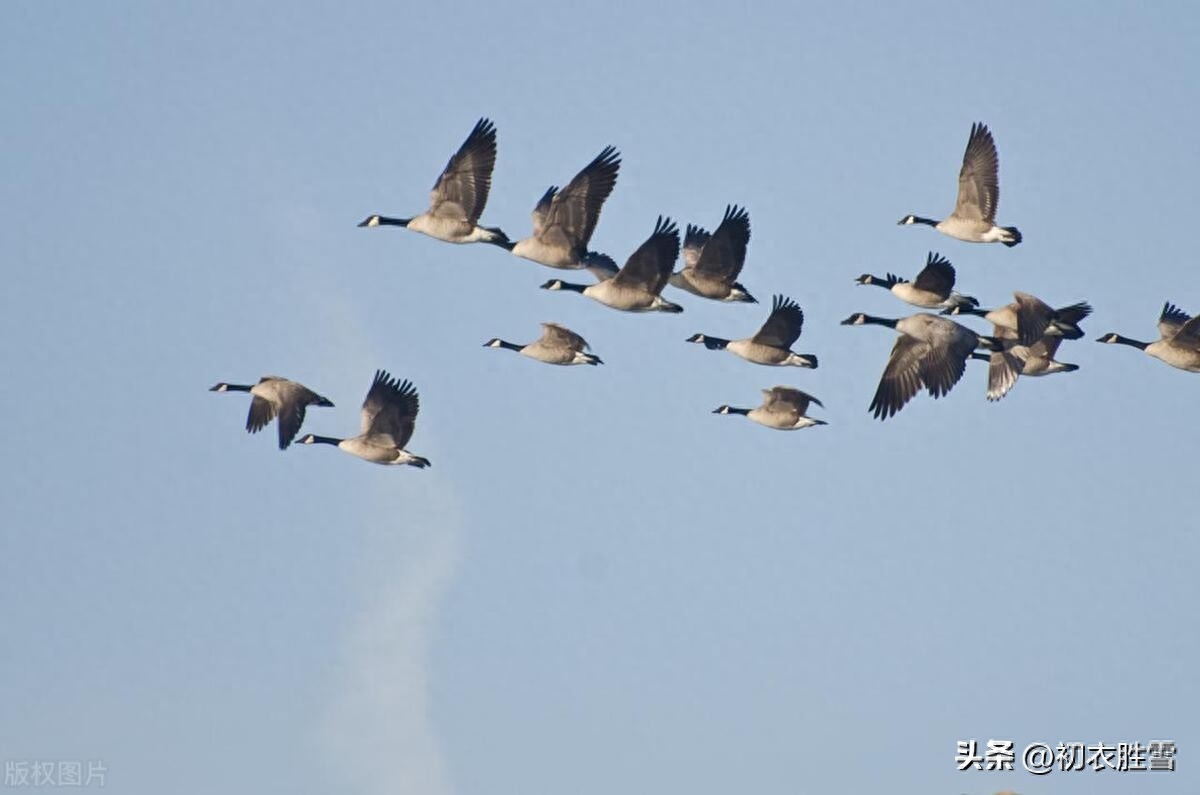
937	276
724	254
650	266
783	325
461	191
978	179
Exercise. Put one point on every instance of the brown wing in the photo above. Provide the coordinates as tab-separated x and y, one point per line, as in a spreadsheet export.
693	244
780	396
1171	320
290	420
978	179
937	276
1189	332
541	209
1033	316
462	190
783	325
901	377
390	409
574	211
650	266
1003	369
943	366
561	336
261	413
725	252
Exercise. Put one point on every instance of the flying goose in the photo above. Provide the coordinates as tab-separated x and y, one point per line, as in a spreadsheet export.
389	413
930	351
274	397
563	220
557	345
771	345
1016	360
459	195
932	289
1031	318
783	408
1179	339
974	216
712	262
636	287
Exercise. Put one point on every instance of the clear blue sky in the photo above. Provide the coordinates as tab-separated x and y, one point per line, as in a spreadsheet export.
599	586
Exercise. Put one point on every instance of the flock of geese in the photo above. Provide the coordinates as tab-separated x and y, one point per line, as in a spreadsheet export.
930	351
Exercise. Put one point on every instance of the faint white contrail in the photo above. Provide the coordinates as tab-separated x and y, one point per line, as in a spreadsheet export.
380	733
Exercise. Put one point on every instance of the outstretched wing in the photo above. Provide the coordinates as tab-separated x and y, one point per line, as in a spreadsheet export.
978	179
783	325
937	276
261	413
1033	317
390	409
462	190
901	377
943	366
650	266
291	417
541	210
725	252
1171	320
1003	369
574	211
693	244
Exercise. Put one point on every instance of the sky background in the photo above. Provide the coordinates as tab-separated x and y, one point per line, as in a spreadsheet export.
599	586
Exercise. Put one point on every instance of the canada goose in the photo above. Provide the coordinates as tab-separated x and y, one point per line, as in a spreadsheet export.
772	343
1031	318
1016	360
389	413
783	408
459	195
563	220
1179	343
273	396
931	351
712	262
636	287
932	289
558	345
974	216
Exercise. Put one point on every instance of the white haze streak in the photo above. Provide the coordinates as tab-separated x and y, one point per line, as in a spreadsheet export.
380	732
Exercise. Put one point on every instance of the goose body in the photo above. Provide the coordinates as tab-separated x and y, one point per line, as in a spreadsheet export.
932	289
930	351
771	344
557	345
713	262
637	286
974	216
459	195
783	408
1031	318
1030	332
389	415
1179	340
1015	360
273	397
564	220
